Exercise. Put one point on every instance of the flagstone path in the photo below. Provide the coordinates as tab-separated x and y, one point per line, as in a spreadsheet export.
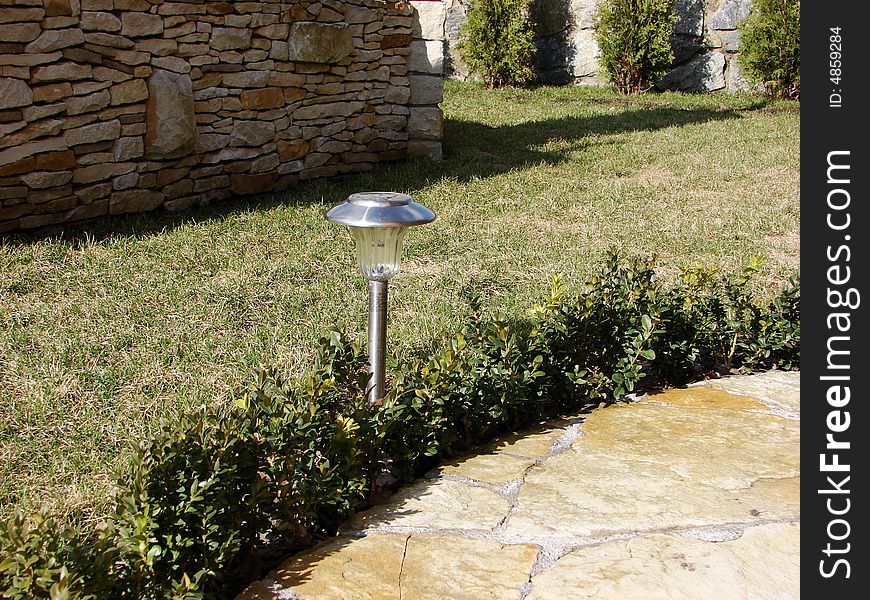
691	493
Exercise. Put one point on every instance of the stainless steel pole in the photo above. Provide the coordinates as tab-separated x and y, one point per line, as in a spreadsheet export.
377	339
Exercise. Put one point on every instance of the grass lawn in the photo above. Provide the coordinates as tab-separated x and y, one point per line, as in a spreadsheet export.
109	328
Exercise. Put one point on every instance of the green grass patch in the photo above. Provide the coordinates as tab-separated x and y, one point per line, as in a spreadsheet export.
111	327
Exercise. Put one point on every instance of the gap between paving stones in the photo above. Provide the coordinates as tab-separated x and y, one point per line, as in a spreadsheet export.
402	565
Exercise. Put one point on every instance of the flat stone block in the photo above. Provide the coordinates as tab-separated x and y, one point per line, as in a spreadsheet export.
262	99
100	21
647	467
250	79
703	397
696	449
776	389
447	566
244	184
101	172
88	211
138	24
426	57
29	60
230	38
128	148
436	503
534	445
85	104
14	93
19	32
428	20
737	82
585	53
762	563
252	133
319	42
704	73
690	17
107	41
17	15
127	92
425	149
57	8
171	130
96	132
55	39
426	123
420	566
729	14
52	92
46	179
61	71
426	89
134	201
364	568
496	469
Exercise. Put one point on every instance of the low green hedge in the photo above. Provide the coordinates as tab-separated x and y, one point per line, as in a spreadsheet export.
210	495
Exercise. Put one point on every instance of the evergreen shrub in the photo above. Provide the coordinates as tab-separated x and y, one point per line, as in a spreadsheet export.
770	49
634	38
498	42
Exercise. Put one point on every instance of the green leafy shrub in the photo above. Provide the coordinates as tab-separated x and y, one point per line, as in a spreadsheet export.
596	340
39	558
770	50
209	490
774	337
634	37
714	324
480	385
209	494
498	42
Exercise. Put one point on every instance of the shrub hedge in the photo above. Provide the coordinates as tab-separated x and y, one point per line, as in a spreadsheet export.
208	496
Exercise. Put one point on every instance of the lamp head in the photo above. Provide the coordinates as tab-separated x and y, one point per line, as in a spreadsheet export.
379	221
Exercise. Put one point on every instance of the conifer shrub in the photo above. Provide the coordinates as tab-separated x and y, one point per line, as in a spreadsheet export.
634	37
498	43
770	50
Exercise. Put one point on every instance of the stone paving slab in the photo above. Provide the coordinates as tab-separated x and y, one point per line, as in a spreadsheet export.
692	493
761	563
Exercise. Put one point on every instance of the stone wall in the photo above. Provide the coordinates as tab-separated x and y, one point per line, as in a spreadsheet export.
705	43
116	106
426	78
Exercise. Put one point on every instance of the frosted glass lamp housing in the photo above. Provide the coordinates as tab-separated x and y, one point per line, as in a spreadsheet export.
378	251
379	221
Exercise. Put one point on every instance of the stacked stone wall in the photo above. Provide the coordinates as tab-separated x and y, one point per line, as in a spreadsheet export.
117	106
706	43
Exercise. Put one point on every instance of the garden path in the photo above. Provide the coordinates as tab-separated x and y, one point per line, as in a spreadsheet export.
691	493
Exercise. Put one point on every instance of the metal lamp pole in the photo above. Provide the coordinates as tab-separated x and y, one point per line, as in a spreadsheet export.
377	339
379	221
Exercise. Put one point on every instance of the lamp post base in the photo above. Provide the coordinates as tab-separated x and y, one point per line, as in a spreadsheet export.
377	340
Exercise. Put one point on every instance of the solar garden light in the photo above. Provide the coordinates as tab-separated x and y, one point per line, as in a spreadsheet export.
379	221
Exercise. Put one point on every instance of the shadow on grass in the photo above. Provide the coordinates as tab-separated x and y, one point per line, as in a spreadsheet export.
472	150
